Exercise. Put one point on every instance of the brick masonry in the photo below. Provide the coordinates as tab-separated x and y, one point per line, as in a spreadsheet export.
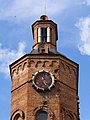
61	102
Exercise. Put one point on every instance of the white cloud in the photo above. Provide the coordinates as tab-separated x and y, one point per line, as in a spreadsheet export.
8	56
84	26
24	9
87	2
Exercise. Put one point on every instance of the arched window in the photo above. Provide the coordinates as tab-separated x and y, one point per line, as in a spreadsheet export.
69	117
44	34
42	115
17	116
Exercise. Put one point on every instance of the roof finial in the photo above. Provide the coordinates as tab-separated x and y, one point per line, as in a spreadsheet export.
45	6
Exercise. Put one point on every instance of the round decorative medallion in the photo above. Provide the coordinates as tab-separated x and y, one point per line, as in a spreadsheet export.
43	80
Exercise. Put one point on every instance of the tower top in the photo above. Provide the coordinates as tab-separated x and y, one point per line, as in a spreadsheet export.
44	35
44	17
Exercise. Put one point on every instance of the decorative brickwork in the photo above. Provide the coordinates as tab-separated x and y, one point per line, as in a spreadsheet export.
61	101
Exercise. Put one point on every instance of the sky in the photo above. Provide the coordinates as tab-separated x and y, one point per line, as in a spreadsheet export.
73	20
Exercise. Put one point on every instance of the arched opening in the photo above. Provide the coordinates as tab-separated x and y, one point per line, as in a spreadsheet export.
17	116
44	34
42	115
69	117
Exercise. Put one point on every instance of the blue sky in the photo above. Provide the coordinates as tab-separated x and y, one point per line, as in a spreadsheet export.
73	20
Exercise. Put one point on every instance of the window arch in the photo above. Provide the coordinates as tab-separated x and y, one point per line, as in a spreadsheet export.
68	117
44	34
41	115
17	116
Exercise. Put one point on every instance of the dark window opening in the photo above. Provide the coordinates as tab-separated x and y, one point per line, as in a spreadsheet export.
43	50
44	34
42	116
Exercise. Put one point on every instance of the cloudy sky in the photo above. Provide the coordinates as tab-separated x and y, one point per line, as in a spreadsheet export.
73	20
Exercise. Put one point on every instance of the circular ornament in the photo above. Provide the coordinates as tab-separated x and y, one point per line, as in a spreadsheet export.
43	80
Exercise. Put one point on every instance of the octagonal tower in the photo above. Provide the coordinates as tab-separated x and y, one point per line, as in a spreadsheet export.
44	82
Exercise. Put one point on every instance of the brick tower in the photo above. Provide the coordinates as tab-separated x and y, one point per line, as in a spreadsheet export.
44	82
